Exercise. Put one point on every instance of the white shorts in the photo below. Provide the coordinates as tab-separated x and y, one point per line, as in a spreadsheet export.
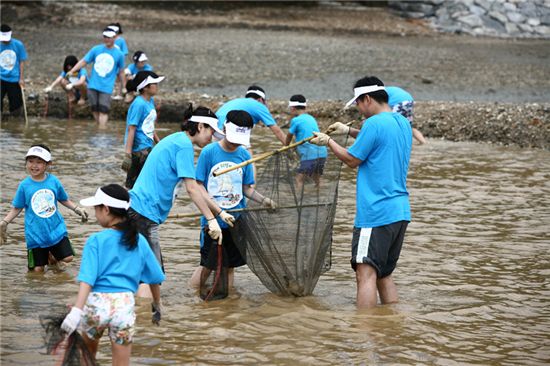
109	310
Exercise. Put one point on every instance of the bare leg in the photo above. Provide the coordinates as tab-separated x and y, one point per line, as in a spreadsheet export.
144	290
366	286
418	136
96	116
91	344
38	269
387	290
299	182
103	119
195	281
230	277
121	354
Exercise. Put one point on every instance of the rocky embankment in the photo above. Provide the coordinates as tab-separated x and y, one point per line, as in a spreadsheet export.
524	125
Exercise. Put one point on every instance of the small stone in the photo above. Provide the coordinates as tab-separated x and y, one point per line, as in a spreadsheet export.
533	22
515	17
543	30
472	20
525	28
498	16
485	4
509	6
511	28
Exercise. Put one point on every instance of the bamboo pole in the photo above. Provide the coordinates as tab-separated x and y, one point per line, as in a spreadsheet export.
25	107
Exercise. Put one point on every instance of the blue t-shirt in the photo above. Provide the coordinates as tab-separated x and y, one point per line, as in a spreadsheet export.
107	64
397	95
226	189
257	111
143	115
133	69
120	43
72	78
384	147
44	225
109	266
171	160
302	127
11	55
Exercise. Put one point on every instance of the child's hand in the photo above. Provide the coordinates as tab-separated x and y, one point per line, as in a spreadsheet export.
127	162
69	87
72	320
156	310
227	218
3	232
47	89
82	213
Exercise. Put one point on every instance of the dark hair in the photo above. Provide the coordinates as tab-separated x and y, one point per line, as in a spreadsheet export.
187	113
380	96
128	226
5	28
240	118
250	92
42	146
69	63
298	98
193	127
116	25
136	55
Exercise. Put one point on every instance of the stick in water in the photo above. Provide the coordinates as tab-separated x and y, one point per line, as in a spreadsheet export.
24	106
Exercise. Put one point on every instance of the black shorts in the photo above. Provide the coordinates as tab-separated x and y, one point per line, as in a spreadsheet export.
38	257
310	167
231	256
138	161
99	102
15	97
379	247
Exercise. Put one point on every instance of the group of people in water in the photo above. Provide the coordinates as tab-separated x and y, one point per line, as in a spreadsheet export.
125	258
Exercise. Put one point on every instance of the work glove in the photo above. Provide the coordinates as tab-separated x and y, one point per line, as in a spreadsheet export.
269	203
47	89
82	213
72	320
127	162
69	87
338	128
320	139
3	232
124	91
156	311
214	229
227	218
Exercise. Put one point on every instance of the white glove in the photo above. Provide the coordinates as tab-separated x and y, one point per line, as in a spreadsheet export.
82	213
124	91
3	232
269	203
320	139
47	89
338	128
214	229
227	218
69	87
72	320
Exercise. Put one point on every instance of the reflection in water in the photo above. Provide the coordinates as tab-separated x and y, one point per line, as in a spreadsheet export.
473	275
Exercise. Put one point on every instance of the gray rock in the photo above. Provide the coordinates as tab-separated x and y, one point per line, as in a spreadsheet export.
515	17
528	9
545	20
511	28
426	9
525	28
472	20
543	30
493	24
459	14
533	22
477	10
485	4
509	6
498	16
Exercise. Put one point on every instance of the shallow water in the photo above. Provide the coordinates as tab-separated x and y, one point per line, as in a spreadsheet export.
473	275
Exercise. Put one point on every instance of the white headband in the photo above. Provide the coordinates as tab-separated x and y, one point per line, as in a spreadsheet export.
102	198
364	90
297	104
109	34
114	28
5	36
149	80
257	92
40	152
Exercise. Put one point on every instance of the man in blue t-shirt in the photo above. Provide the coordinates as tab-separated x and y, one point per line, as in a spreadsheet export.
12	64
254	103
108	64
402	102
227	190
381	152
312	157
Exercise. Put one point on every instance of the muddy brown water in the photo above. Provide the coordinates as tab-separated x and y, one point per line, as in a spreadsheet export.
473	277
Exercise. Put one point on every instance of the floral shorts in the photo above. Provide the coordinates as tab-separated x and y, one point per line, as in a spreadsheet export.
405	109
109	310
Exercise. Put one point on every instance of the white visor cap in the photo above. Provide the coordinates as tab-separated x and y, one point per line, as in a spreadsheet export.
294	103
5	36
237	134
39	152
210	121
142	57
364	90
109	33
102	198
257	92
149	80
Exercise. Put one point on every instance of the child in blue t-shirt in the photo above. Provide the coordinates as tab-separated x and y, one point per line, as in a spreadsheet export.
114	262
121	44
75	84
140	64
140	125
45	230
312	157
227	190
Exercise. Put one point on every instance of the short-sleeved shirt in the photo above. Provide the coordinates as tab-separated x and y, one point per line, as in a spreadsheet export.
384	147
302	127
107	64
397	95
170	161
74	78
120	43
11	55
258	111
109	266
142	114
44	225
132	69
226	189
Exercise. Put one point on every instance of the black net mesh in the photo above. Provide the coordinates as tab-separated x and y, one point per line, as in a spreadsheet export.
214	275
290	247
71	351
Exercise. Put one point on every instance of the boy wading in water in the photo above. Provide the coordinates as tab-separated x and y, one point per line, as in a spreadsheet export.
45	230
381	152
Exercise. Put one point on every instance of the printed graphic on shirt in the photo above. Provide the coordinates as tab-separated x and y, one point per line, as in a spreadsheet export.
43	203
148	126
103	64
7	59
226	189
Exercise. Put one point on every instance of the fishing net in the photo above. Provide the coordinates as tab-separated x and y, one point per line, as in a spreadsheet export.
72	350
290	247
214	283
